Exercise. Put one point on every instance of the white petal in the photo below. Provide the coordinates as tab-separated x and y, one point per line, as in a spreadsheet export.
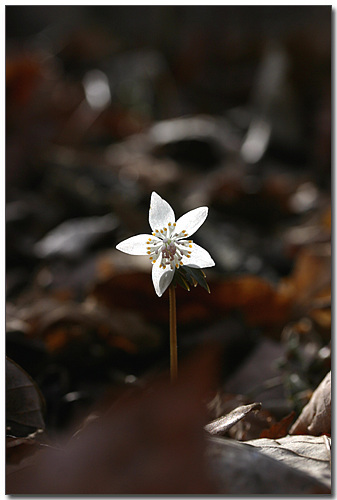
191	221
136	245
160	213
161	278
199	258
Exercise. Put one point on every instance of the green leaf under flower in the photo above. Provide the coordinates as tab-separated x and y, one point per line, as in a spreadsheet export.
185	275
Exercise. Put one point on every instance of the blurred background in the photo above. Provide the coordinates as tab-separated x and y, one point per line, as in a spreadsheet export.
228	107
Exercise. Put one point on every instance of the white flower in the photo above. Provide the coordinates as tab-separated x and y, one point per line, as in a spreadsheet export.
168	247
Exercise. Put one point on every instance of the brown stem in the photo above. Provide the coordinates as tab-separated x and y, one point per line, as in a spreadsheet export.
173	335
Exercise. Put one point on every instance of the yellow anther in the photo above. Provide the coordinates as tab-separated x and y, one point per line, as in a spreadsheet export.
174	224
164	267
189	246
165	229
169	223
148	253
190	241
154	234
153	261
188	256
161	231
177	265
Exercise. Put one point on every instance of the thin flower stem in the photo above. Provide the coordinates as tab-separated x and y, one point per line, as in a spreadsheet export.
173	335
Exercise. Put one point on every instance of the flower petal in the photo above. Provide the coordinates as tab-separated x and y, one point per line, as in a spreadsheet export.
136	245
160	213
161	278
199	258
191	221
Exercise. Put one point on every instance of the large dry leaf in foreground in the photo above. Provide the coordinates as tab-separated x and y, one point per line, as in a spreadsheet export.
246	469
151	442
315	418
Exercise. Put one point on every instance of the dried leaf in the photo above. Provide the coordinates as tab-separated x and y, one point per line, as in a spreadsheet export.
221	425
149	442
260	302
248	428
308	454
246	469
24	402
315	418
279	429
311	275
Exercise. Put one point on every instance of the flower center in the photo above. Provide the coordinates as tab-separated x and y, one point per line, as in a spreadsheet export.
168	246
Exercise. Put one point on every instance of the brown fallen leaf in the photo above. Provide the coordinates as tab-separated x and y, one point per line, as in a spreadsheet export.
260	302
221	425
58	321
149	442
279	429
311	275
315	418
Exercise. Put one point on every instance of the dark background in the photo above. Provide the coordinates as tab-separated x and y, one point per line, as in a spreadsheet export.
81	316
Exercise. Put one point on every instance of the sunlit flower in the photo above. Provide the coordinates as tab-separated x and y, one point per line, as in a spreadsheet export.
169	246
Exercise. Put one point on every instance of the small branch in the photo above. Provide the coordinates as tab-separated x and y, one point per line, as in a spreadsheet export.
173	335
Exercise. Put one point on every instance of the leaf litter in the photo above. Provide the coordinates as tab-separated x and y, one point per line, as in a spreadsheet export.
88	407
